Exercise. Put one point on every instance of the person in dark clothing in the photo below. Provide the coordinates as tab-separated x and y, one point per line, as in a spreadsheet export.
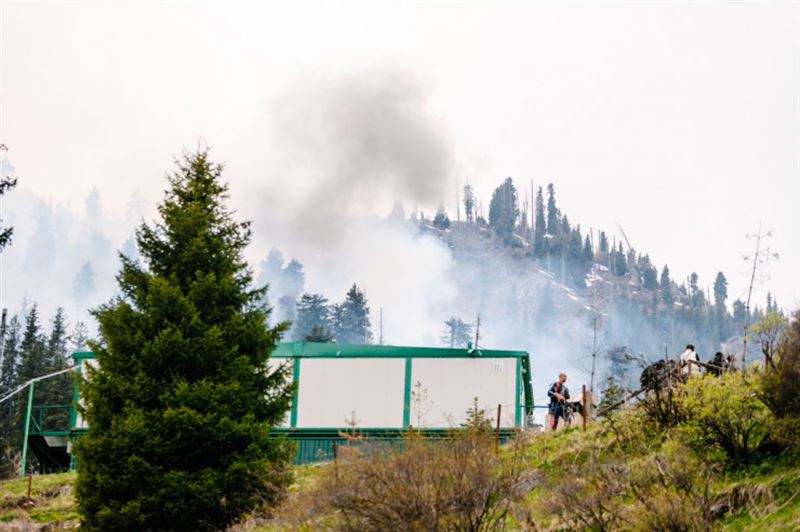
559	395
716	364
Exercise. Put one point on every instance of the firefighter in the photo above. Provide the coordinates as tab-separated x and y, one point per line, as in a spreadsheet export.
559	395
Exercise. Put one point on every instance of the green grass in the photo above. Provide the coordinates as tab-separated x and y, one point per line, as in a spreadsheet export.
782	512
52	495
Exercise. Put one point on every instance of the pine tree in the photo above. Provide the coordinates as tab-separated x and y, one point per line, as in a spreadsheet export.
57	390
10	356
83	286
650	278
588	252
271	268
6	183
603	242
293	279
739	312
441	220
312	310
456	333
619	262
666	286
720	312
503	212
469	203
352	325
33	350
319	334
540	228
182	404
553	215
10	411
79	338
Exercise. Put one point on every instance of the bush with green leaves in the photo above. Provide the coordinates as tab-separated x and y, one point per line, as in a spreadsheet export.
182	403
725	418
780	386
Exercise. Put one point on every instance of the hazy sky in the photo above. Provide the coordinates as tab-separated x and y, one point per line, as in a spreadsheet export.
677	121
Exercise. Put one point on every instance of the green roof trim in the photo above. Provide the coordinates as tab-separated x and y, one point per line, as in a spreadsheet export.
331	350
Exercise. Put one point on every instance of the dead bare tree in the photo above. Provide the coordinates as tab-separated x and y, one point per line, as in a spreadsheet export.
759	258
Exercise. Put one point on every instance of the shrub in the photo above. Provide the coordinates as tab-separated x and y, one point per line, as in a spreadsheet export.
458	483
780	386
726	415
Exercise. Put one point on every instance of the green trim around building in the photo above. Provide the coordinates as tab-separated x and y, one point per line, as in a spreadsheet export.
331	350
407	395
315	444
295	392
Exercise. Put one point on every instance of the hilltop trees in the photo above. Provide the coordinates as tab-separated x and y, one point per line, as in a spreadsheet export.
351	318
469	203
539	228
83	286
313	318
503	210
456	333
182	404
441	220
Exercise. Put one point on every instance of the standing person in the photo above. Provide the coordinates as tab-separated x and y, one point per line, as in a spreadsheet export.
559	395
716	364
687	362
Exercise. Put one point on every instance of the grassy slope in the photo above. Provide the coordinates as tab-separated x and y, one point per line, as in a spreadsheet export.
774	492
53	501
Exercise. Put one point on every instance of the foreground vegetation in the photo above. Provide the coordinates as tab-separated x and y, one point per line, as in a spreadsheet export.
711	453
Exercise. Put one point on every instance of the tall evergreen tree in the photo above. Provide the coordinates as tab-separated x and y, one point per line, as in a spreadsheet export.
469	203
720	311
540	227
553	215
79	338
293	279
57	390
619	261
83	286
312	310
503	211
650	278
271	268
588	252
11	356
456	333
666	286
33	350
6	183
10	411
181	405
352	325
603	244
441	220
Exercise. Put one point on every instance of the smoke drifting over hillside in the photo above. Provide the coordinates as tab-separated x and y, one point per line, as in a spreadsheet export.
361	140
341	151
